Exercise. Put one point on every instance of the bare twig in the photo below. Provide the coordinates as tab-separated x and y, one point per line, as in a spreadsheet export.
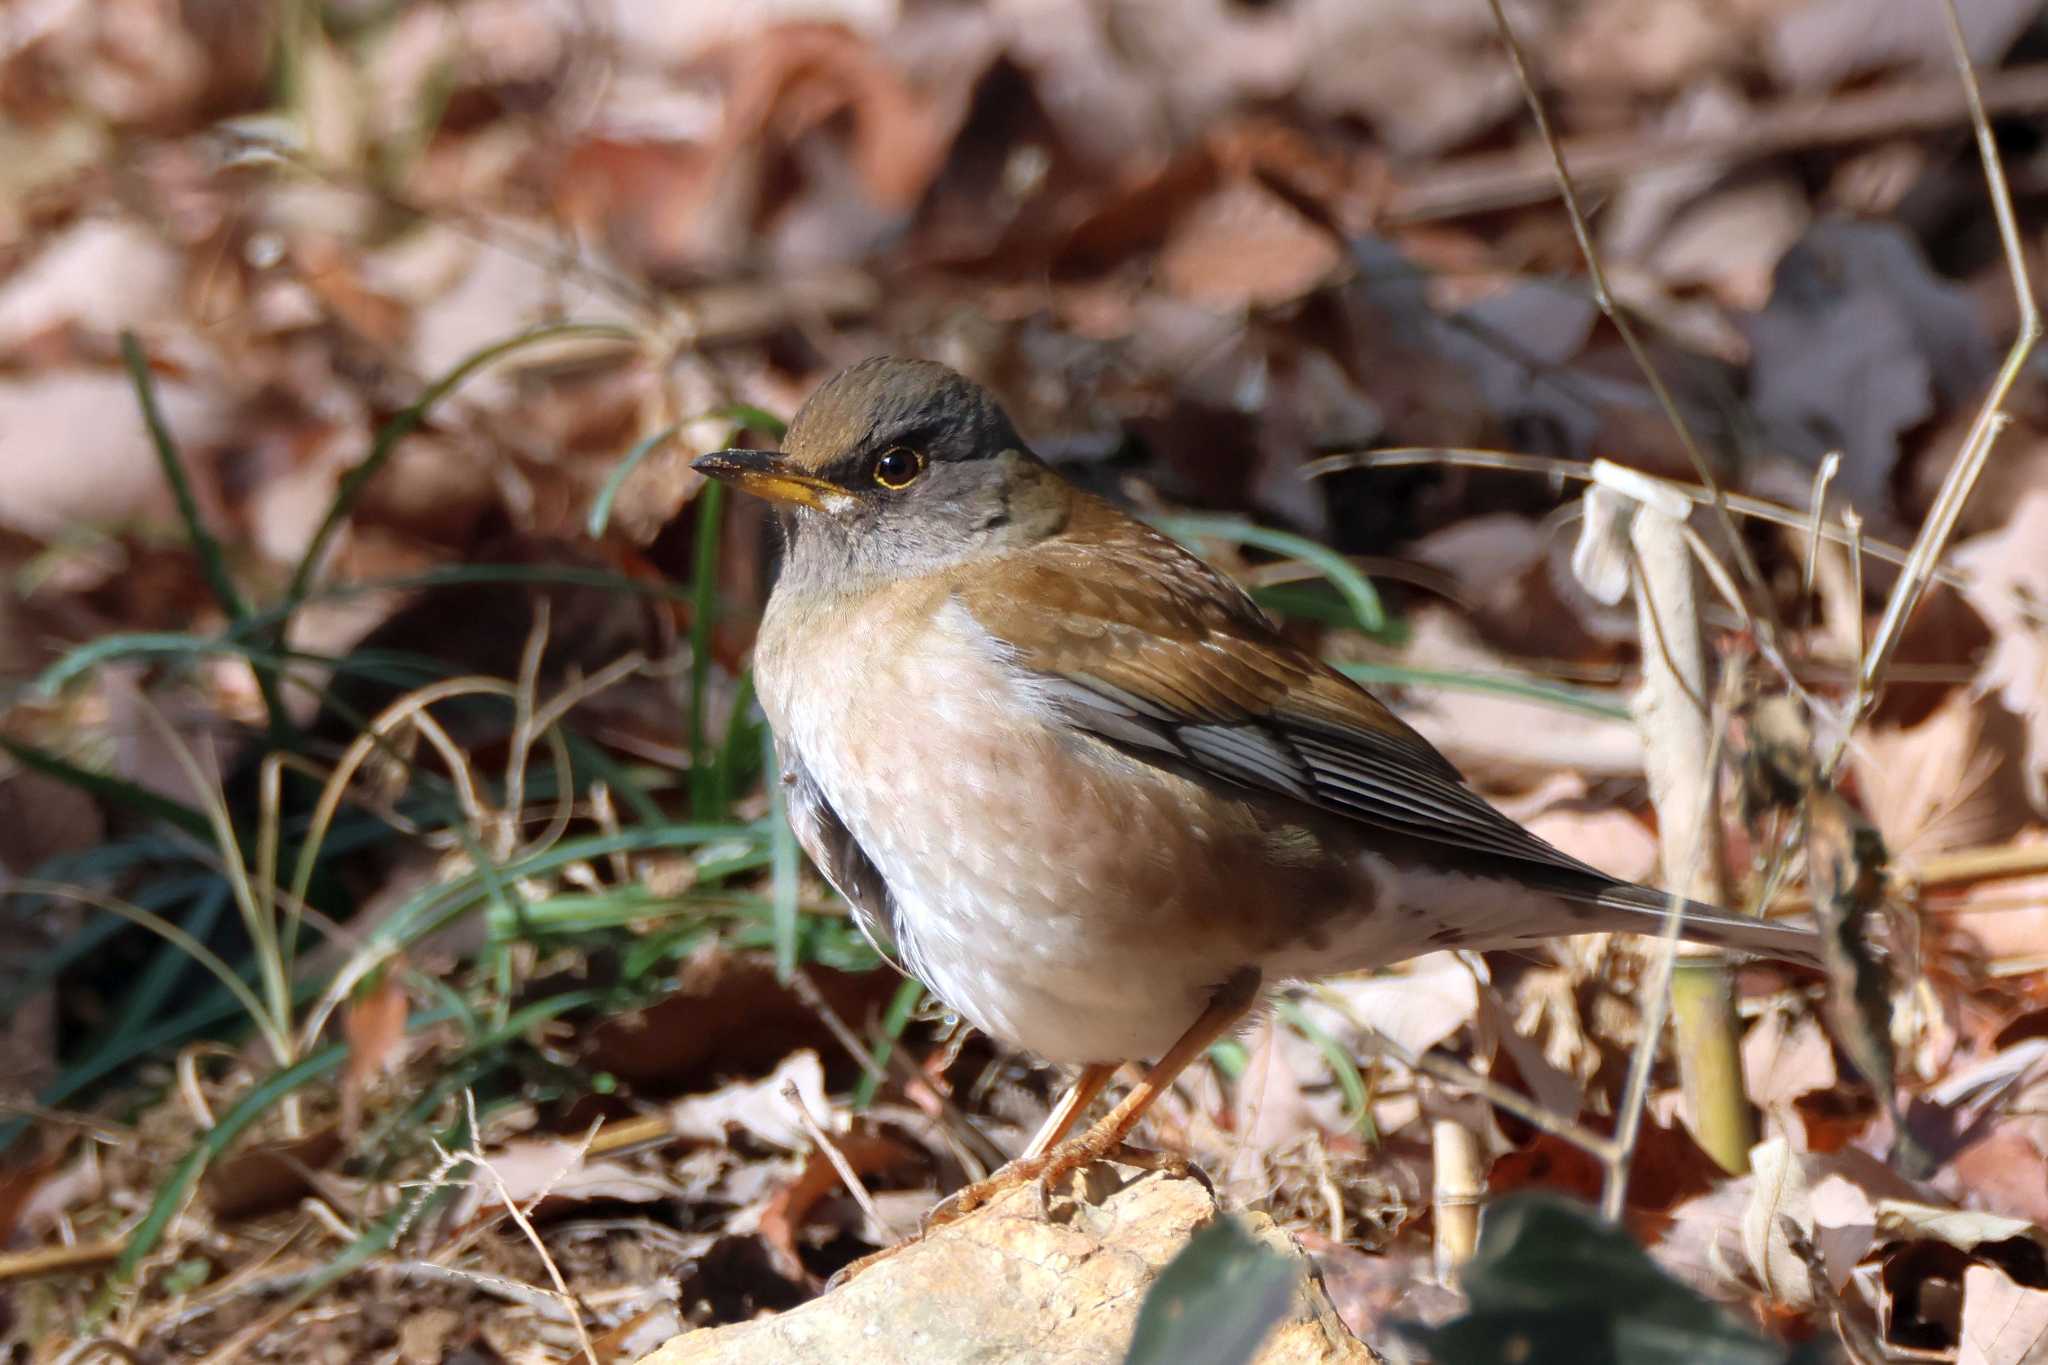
1990	420
518	1215
1497	180
1548	466
847	1175
1597	276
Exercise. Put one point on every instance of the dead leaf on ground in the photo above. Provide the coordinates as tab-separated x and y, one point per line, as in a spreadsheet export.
270	1175
2003	1323
759	1108
2009	588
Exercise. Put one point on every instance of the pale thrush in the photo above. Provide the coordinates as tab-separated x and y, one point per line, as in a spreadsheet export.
1077	782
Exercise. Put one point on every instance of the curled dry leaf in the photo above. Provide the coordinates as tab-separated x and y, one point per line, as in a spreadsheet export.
529	1170
1730	1243
759	1108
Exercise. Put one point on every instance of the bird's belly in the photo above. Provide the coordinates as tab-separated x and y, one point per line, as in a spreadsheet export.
1043	903
1057	894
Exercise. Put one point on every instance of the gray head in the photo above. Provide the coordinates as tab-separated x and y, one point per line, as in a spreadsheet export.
894	468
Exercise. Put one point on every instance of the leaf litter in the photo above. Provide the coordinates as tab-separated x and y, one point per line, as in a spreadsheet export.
1167	235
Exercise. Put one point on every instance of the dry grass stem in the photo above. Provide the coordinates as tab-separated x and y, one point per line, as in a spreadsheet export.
1458	1164
847	1175
1962	477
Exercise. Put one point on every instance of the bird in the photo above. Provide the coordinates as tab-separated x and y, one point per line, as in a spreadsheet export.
1078	783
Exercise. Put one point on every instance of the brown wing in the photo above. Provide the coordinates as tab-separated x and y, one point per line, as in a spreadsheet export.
1141	643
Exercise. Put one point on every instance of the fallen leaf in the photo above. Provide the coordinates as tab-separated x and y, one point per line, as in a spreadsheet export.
374	1025
76	454
1859	340
1428	1000
270	1175
1784	1058
2003	1323
759	1108
783	1218
102	274
1243	246
2008	587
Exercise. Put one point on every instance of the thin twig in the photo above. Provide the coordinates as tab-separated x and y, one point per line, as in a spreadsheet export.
1990	420
1555	467
1597	276
847	1175
518	1215
1486	182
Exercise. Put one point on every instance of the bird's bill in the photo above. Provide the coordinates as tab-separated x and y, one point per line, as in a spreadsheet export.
766	474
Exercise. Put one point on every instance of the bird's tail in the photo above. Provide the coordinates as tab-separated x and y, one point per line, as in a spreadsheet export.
1646	911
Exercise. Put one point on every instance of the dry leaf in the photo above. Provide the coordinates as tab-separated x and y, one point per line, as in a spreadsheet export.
759	1107
1243	246
374	1025
531	1170
1784	1058
2009	588
1427	1001
75	451
2003	1323
101	275
2006	917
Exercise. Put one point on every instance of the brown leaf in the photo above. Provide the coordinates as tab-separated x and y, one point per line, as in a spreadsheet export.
1243	246
269	1176
374	1025
866	1153
1784	1058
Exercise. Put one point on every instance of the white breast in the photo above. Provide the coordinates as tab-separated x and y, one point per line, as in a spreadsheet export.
1037	891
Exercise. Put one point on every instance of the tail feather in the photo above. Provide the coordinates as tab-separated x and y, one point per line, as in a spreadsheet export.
1647	911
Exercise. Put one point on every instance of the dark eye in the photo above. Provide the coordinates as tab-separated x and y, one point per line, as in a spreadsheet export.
896	467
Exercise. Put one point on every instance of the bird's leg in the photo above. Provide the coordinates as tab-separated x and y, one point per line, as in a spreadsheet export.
1048	1159
1105	1139
1072	1105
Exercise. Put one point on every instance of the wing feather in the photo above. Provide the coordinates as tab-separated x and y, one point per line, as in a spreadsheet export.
838	856
1174	659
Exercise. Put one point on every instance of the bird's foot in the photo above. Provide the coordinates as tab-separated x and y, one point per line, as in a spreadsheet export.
1048	1171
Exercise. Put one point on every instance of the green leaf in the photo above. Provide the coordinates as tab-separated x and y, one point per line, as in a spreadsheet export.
1215	1302
1551	1282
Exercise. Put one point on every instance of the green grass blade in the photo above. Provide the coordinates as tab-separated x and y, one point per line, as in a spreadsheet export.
177	1187
601	506
1357	1104
909	994
404	424
212	560
1356	588
1585	701
115	791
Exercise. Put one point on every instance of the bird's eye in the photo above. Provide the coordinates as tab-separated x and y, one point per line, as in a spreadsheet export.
897	466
